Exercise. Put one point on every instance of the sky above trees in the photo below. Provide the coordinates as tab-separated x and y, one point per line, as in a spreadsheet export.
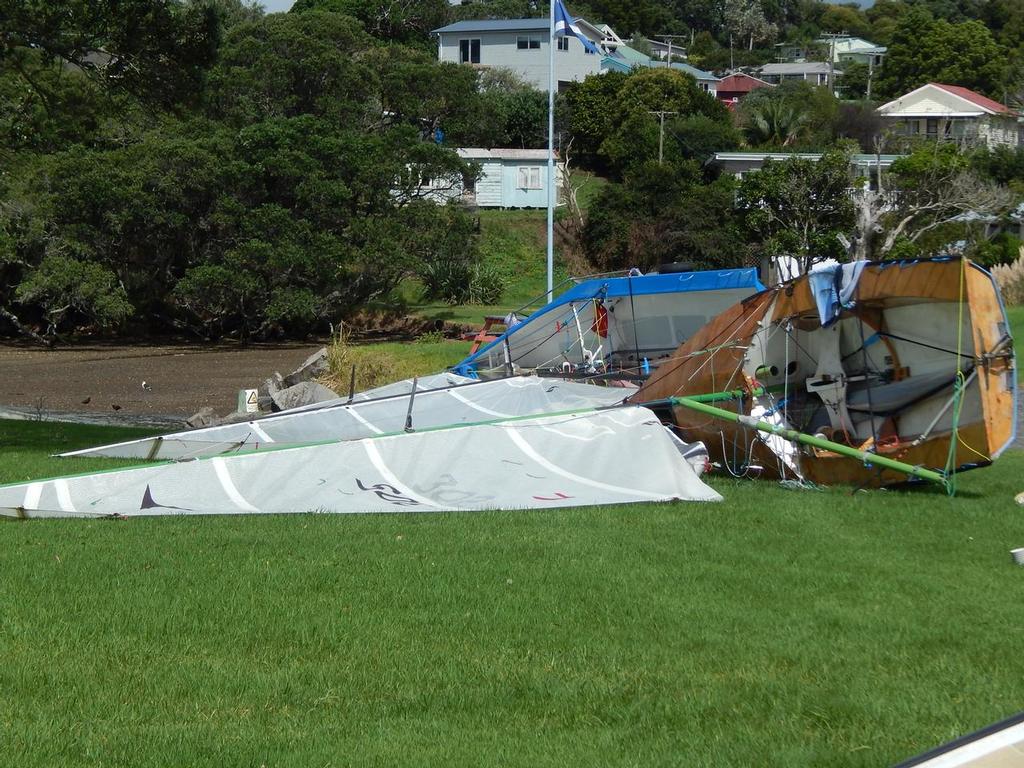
273	6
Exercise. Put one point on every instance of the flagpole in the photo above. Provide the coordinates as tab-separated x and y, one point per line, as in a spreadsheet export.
551	155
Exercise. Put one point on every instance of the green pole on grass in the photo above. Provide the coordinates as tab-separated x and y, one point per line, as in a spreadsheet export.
699	404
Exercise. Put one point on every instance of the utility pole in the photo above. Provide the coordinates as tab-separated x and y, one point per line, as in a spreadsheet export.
831	36
661	131
668	39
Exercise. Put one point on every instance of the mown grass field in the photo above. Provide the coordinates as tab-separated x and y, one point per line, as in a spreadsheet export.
779	628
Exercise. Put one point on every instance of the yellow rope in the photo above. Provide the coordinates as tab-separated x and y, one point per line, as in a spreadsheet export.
958	390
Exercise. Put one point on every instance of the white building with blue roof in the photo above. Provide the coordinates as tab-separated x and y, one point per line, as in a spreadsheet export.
517	44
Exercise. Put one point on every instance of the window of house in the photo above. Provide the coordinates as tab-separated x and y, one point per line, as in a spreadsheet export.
469	51
531	42
529	177
932	128
563	43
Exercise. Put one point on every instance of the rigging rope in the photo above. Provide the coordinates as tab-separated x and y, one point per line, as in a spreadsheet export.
950	468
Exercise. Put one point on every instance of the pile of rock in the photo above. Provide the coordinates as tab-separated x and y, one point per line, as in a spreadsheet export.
279	393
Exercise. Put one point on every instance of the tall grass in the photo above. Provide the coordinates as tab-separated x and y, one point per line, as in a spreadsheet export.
1010	278
379	364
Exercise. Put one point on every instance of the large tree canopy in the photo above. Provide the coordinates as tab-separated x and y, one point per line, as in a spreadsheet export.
155	49
927	50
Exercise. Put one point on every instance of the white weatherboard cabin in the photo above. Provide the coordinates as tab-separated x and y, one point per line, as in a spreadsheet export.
509	178
814	72
953	113
517	44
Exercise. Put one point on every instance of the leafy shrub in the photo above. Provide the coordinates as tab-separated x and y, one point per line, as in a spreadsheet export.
1001	249
68	290
447	280
486	285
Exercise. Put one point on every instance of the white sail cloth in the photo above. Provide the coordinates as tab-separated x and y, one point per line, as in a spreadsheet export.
460	404
611	456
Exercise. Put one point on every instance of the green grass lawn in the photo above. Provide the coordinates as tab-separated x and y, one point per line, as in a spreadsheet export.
779	628
513	242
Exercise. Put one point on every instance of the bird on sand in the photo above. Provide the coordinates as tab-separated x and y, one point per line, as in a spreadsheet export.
116	407
147	387
87	400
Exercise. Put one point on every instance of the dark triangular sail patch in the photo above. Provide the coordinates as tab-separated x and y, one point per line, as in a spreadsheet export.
148	502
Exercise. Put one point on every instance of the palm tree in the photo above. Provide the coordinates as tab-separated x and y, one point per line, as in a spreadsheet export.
775	123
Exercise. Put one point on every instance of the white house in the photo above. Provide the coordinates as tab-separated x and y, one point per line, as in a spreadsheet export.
520	45
855	49
843	48
953	113
739	164
814	72
509	178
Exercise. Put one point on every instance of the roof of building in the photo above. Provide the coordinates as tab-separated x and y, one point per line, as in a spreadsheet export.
700	74
796	68
979	104
616	63
967	94
632	55
859	160
850	42
876	51
502	153
741	82
494	25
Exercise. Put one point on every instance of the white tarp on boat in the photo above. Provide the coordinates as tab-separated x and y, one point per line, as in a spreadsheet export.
611	456
462	404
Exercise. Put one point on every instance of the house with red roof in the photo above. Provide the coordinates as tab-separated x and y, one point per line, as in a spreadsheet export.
734	87
954	113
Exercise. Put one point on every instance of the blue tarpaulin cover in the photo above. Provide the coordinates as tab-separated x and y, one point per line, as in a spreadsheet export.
617	287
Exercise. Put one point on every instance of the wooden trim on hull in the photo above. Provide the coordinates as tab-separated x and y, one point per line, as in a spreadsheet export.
714	359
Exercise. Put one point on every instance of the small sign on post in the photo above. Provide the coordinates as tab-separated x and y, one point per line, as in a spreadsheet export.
248	401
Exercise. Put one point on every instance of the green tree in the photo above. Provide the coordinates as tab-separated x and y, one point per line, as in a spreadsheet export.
926	50
854	81
290	64
413	88
795	115
586	114
845	18
799	207
634	132
401	21
663	213
157	50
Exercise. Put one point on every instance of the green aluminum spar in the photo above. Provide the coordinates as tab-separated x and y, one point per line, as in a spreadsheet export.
817	442
710	397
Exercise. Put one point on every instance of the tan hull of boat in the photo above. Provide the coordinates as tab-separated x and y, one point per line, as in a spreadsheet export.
724	355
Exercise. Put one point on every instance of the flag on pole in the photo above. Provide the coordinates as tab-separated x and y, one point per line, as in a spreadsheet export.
565	26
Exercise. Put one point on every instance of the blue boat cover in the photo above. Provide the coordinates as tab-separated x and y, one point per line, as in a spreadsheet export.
641	285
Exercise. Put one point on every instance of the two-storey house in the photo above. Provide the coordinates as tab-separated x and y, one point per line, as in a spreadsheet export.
517	44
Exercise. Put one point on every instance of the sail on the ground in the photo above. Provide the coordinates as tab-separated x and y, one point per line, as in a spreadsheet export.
611	456
461	404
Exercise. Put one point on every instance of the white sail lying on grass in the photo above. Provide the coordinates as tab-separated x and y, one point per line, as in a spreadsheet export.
612	456
460	404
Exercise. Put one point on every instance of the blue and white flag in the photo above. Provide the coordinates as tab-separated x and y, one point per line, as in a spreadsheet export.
565	26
